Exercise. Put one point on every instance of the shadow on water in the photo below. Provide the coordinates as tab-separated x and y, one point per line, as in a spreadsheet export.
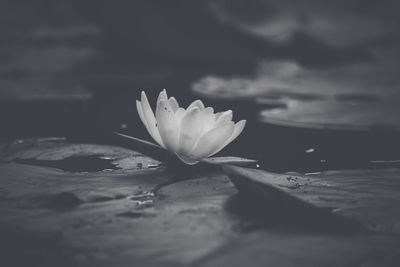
20	247
289	215
63	201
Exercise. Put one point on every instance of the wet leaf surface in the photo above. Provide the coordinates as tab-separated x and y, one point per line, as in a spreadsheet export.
157	217
368	196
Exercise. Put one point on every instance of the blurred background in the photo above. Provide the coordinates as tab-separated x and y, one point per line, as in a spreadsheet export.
317	81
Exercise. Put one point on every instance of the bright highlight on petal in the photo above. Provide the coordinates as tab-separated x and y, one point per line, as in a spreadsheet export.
191	130
167	125
196	103
148	119
193	134
212	141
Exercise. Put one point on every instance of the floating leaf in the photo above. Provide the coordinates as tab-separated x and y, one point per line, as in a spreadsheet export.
230	160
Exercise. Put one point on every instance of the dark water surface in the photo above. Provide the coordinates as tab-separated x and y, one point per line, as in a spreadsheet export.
317	81
74	69
278	148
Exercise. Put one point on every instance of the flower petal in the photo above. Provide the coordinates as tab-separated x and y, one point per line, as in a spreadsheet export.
212	141
162	96
208	119
150	119
187	159
196	103
192	134
173	103
167	126
191	130
238	128
142	118
141	115
179	114
224	117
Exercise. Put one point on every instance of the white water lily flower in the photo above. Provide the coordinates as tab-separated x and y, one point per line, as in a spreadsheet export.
192	134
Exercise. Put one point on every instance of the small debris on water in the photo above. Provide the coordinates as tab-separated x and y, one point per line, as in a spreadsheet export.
107	158
312	173
310	150
154	166
143	199
141	196
291	179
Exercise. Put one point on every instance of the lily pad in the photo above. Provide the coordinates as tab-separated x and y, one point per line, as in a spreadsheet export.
79	157
368	196
340	112
157	217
